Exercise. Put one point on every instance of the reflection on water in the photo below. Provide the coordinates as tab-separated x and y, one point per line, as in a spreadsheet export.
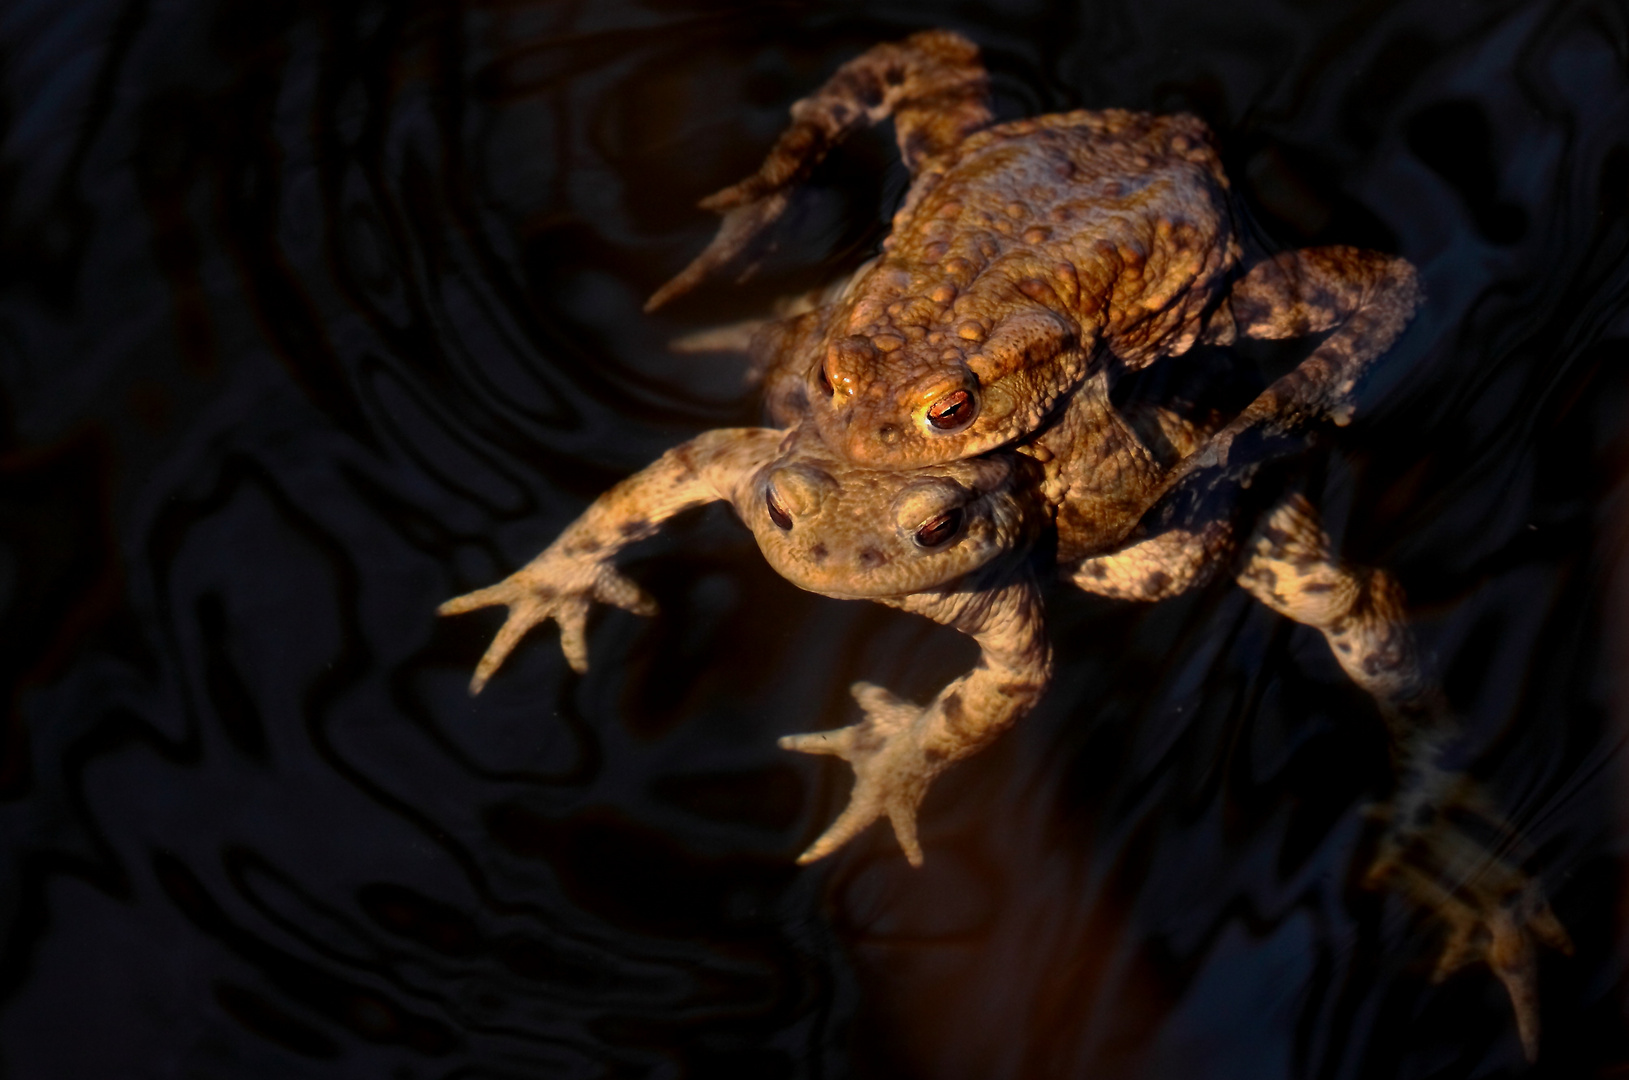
316	315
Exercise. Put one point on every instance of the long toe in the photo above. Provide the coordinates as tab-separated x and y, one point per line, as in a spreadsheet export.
903	817
837	743
1515	960
861	812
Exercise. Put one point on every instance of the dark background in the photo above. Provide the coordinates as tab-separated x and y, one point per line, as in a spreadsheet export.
315	315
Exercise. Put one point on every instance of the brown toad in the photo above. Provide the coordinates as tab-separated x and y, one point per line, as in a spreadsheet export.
1025	256
952	403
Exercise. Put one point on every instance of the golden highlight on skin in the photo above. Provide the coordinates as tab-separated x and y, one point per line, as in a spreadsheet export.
1031	264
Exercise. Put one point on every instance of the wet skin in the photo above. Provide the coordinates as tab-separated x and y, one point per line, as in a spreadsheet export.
1027	255
950	404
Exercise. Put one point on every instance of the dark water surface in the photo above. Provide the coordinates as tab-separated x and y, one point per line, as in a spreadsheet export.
315	315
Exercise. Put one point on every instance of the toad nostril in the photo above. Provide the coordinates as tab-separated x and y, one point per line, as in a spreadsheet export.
795	492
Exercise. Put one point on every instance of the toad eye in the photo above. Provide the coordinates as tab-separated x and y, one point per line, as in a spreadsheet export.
952	411
823	379
936	532
777	512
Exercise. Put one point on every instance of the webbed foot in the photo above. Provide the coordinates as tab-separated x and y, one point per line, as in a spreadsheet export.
892	769
552	586
1493	911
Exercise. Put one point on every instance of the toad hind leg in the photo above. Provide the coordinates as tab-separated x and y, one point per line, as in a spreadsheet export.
933	86
1364	299
1492	909
899	747
1165	565
1288	567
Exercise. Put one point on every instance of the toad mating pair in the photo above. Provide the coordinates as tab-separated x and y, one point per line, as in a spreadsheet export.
948	406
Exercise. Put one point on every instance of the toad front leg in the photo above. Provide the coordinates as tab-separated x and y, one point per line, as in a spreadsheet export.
900	747
570	574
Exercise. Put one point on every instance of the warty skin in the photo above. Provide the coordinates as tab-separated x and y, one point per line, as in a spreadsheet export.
951	404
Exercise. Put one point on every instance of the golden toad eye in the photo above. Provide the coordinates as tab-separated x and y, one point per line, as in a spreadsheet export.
940	530
952	411
777	512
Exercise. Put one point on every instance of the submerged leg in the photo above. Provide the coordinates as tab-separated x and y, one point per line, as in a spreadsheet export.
933	86
1493	910
900	747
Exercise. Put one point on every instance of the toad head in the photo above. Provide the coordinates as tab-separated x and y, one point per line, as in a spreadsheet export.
835	528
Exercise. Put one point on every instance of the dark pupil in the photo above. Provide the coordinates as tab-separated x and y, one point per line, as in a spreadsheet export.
777	512
952	410
940	529
825	380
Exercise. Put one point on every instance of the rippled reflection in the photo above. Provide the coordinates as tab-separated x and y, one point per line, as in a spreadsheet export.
315	315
